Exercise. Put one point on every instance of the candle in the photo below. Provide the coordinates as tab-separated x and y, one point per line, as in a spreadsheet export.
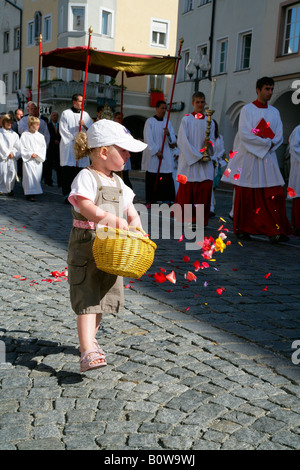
212	93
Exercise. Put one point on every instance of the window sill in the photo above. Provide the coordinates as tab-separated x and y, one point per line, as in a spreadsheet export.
242	70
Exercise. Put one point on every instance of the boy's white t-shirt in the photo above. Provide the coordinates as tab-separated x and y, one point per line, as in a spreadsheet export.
85	185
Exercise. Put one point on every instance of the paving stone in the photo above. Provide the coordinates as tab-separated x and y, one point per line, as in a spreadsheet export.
187	369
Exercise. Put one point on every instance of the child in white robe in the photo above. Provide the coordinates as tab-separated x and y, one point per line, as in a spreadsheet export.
9	152
33	152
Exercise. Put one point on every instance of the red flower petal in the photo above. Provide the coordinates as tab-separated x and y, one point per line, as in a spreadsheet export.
190	276
160	277
232	154
291	192
186	259
181	179
171	277
236	176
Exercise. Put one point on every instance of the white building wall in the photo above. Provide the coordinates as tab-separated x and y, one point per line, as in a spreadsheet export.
235	88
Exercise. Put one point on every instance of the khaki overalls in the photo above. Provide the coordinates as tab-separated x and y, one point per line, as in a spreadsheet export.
92	290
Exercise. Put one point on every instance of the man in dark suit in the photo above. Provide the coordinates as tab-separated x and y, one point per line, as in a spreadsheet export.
52	158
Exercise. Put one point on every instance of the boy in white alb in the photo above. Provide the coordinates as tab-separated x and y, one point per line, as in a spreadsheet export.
9	152
33	151
259	203
159	188
294	178
200	174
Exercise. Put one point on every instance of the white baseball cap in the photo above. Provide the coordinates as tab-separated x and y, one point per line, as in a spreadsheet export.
105	132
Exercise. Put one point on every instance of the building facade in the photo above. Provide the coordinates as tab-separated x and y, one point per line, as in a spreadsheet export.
243	42
10	53
131	25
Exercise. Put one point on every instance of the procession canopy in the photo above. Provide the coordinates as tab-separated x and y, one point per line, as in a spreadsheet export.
109	63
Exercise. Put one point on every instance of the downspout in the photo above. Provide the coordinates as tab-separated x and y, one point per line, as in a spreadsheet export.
21	34
211	37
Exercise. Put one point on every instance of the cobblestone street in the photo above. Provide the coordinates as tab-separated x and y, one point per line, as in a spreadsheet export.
188	368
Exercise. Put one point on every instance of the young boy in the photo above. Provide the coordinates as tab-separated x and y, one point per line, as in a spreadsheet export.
33	152
9	151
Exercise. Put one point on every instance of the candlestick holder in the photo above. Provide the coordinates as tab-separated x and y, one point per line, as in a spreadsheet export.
206	156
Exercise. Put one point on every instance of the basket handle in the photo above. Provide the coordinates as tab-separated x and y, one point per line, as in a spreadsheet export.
140	230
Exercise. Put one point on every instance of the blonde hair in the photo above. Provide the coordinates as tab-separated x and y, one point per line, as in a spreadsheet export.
6	118
32	120
81	147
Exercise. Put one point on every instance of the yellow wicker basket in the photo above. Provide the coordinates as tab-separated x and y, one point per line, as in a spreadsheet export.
123	252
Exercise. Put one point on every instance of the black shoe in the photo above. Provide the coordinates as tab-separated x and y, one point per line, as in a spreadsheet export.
230	216
212	214
243	236
278	238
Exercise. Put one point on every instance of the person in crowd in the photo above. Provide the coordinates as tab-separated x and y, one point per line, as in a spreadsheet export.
159	188
259	199
191	163
52	158
33	151
9	153
23	123
70	122
294	179
15	127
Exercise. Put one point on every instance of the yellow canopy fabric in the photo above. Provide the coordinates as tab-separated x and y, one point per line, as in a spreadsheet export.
109	63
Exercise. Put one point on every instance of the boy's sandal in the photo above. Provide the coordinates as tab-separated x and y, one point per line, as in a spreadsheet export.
90	356
98	348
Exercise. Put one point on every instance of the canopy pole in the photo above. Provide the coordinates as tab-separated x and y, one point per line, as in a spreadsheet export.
86	74
39	76
169	110
122	94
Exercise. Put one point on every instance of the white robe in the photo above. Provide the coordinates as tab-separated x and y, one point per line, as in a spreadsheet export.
294	177
255	164
23	127
32	167
68	128
153	136
9	143
191	137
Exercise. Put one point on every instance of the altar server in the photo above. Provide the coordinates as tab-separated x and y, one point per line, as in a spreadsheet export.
259	204
200	174
9	153
33	151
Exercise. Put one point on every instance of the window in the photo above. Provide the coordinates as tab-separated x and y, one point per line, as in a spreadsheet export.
15	82
37	25
222	46
30	33
107	23
5	81
77	18
186	57
204	2
159	33
202	51
156	82
291	30
188	5
17	38
244	51
45	73
47	27
29	78
6	41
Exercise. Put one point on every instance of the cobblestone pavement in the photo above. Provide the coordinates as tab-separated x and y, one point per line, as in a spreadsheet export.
188	369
